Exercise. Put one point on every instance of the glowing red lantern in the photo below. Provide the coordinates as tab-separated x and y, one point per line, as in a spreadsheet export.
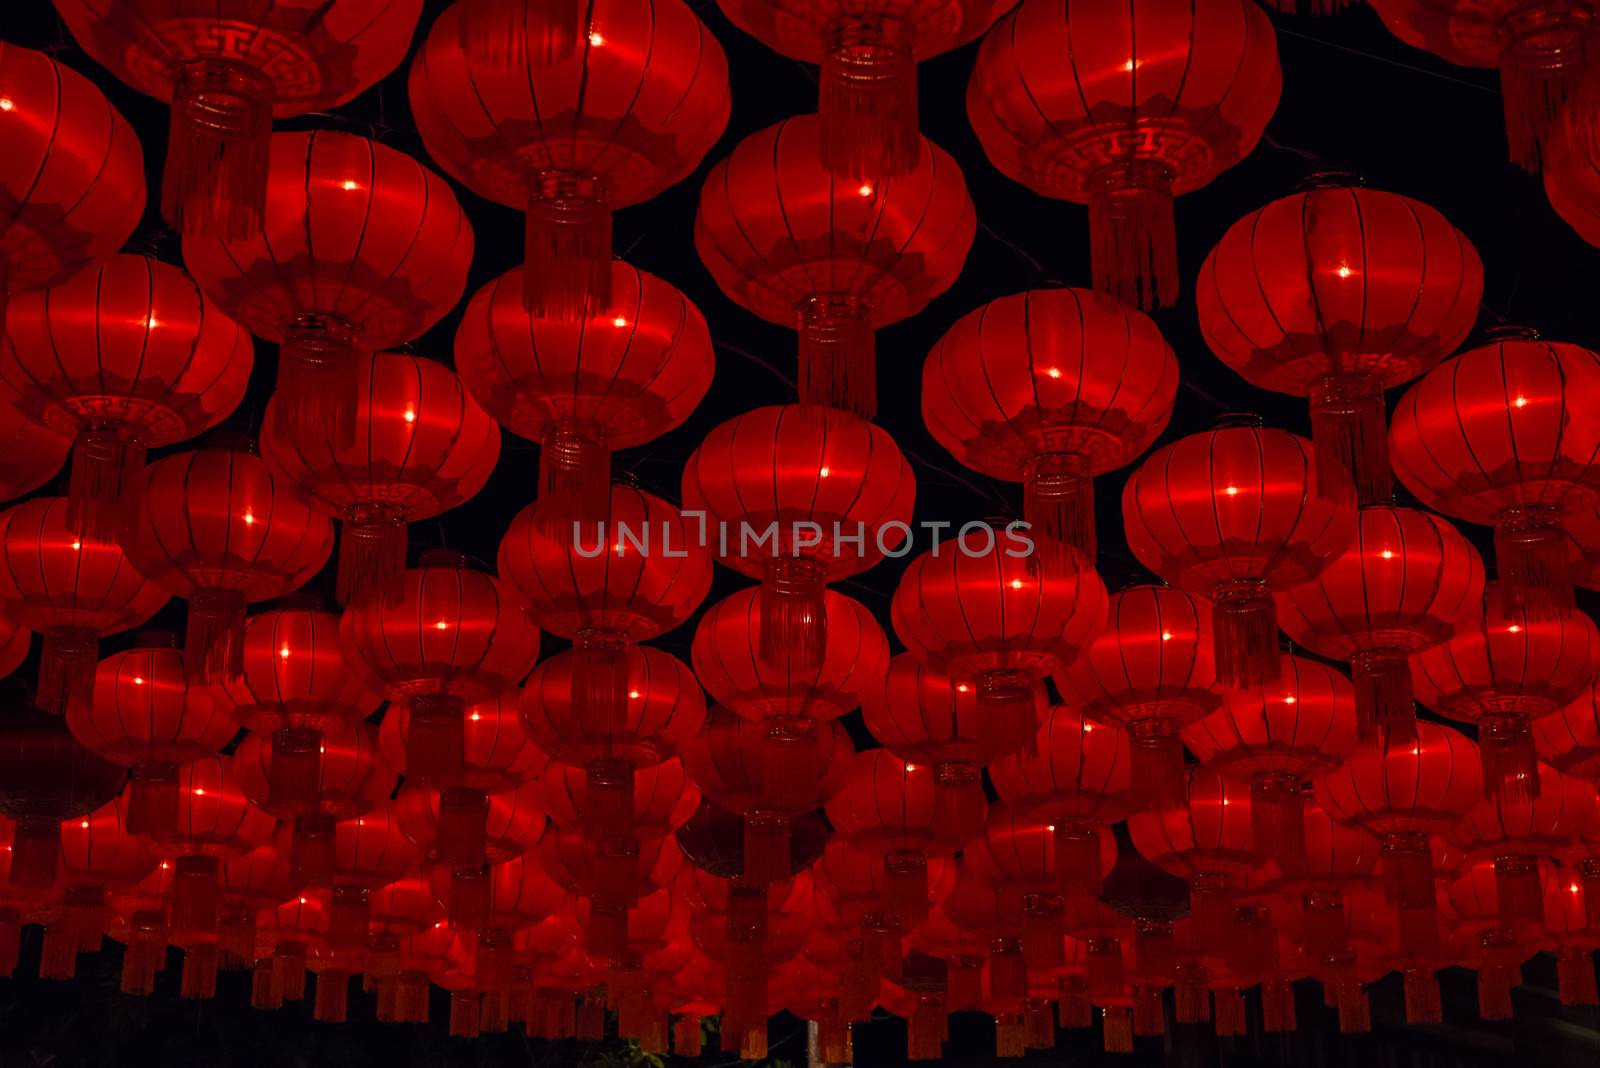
72	185
1494	436
662	799
30	455
1150	672
123	357
612	878
370	852
71	591
449	637
422	447
1334	861
338	206
834	258
515	819
774	485
98	856
1409	582
147	716
1337	293
1485	942
1231	516
1569	740
990	615
629	113
585	389
1566	918
217	527
1123	107
1278	738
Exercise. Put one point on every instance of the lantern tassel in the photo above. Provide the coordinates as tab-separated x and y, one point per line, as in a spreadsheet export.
1537	79
686	1037
496	33
1385	705
1350	438
567	276
1575	977
925	1031
766	847
199	979
1133	246
294	779
1008	974
1494	991
608	800
959	806
469	897
1102	965
600	679
1008	709
1244	625
463	820
1327	927
963	984
1408	870
1510	762
792	624
319	382
67	661
372	552
1157	780
236	936
1073	1005
35	851
152	800
214	182
214	641
58	956
868	101
332	998
1116	1024
789	764
905	887
1355	1008
1010	1035
436	737
107	476
1229	1012
1191	1001
1423	1004
1077	859
1532	555
1043	934
575	484
838	355
1277	1007
196	894
1058	502
1277	815
312	849
1518	890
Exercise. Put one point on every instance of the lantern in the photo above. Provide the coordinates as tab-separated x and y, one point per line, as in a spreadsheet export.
338	206
452	636
123	357
1409	582
46	778
834	258
71	591
613	880
147	716
370	852
662	798
1493	437
1572	166
30	455
1123	107
422	447
1050	388
1337	293
1149	672
1334	861
1569	740
217	527
585	389
98	855
1231	516
73	180
448	830
1277	739
773	484
991	616
629	113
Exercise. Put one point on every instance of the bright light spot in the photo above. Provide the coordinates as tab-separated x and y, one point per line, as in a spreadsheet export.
302	901
864	189
1232	491
200	791
1051	827
476	716
249	518
1087	727
6	104
1226	802
1130	64
1016	584
411	415
962	687
633	695
1514	628
77	545
441	625
283	653
1416	750
596	40
164	864
360	822
439	924
1521	402
1166	635
1054	372
1291	699
823	472
911	767
1344	270
1573	889
619	321
152	322
1387	554
138	680
348	185
84	824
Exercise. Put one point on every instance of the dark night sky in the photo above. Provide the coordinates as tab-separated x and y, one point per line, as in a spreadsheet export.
1353	98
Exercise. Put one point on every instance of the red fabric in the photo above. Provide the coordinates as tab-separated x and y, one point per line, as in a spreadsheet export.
146	712
296	674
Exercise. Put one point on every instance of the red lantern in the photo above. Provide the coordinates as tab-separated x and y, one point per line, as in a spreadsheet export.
1502	675
451	636
228	70
1494	436
217	527
1486	943
122	358
1572	166
834	258
768	773
72	186
1078	781
1409	582
1050	388
612	879
30	455
662	798
338	206
1231	516
1542	50
515	819
629	113
370	852
1150	672
786	491
1277	738
98	855
147	716
1337	293
1334	862
71	591
14	642
1124	106
990	615
1405	794
519	894
582	390
1566	918
923	716
1569	740
422	447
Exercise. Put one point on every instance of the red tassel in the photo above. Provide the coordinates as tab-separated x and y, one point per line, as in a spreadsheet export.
959	806
1327	926
1116	1029
1575	977
469	897
332	998
196	895
236	936
35	851
1044	933
58	956
1157	781
686	1037
1154	952
868	101
608	801
199	979
1518	891
153	800
1133	246
591	1020
107	478
1277	1007
265	993
1210	913
839	355
1252	942
294	779
574	482
66	670
1510	762
1308	7
1408	871
1351	438
1009	711
1494	991
311	850
147	945
83	917
1277	815
1058	501
1076	1010
1010	1035
218	147
1244	626
1589	871
1532	554
1229	1012
1103	967
318	393
497	33
1385	706
607	930
1077	859
1191	1001
1423	1006
616	871
925	1031
766	847
905	886
789	764
792	623
567	275
1008	973
463	1014
372	552
463	817
214	641
1419	932
883	953
600	679
349	914
1039	1019
289	970
1149	1015
963	983
1544	52
435	737
492	961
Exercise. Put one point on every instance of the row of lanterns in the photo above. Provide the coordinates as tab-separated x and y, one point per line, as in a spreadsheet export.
549	839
